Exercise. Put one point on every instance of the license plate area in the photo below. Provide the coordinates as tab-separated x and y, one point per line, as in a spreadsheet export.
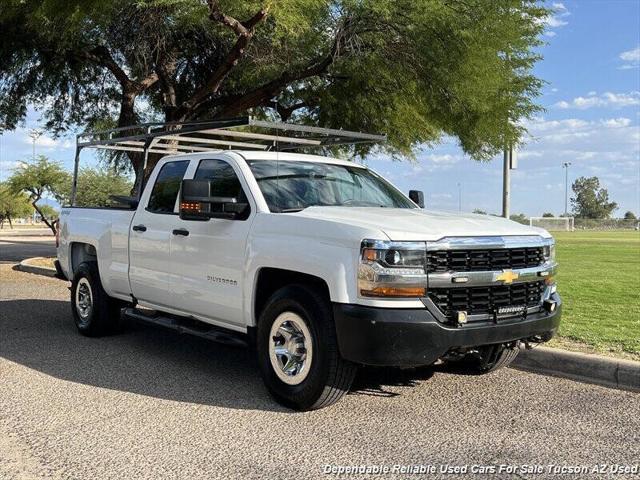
511	311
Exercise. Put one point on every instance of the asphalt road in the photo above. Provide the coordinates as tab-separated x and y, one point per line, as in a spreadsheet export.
17	245
153	404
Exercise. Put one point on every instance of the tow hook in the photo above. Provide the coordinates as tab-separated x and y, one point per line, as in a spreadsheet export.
525	345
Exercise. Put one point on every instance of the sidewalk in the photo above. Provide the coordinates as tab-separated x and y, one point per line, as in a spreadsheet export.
26	232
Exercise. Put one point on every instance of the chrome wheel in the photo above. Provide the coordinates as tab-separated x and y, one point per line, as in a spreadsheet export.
84	299
290	348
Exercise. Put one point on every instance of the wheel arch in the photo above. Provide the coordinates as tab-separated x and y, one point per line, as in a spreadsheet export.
81	252
270	279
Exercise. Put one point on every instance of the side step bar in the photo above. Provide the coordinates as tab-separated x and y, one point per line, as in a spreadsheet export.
189	326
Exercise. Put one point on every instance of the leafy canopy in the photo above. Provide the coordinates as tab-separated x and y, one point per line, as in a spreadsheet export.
591	200
413	69
49	212
13	205
41	178
97	186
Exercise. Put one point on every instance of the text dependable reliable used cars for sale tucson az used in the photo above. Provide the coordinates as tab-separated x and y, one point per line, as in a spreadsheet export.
320	263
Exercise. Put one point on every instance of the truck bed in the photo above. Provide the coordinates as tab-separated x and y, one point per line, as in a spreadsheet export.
104	232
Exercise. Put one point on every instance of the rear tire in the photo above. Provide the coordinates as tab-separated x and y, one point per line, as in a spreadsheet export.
94	312
298	350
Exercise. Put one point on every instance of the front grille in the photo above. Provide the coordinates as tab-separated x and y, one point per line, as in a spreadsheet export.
486	300
439	261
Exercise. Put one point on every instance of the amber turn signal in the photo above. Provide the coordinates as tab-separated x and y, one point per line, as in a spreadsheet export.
394	292
192	206
369	254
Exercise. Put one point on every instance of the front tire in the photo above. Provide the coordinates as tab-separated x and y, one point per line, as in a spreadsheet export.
298	350
94	312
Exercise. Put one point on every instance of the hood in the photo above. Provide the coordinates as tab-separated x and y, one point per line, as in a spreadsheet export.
404	224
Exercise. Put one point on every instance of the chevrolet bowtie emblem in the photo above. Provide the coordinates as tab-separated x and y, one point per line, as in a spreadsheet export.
507	276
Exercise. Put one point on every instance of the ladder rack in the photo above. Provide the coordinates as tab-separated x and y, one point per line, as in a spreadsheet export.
238	133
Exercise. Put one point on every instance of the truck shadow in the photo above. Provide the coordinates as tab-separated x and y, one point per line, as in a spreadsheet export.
376	381
152	361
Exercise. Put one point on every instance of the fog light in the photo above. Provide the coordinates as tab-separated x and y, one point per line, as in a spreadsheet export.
550	306
462	318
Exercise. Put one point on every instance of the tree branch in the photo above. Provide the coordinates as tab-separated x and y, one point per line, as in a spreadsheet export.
244	31
148	81
165	68
263	94
285	112
101	56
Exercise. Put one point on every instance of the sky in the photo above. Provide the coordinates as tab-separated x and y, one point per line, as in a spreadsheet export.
592	120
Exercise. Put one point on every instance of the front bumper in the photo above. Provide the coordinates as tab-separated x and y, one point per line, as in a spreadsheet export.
413	337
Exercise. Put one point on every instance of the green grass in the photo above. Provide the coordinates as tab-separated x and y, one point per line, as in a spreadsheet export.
599	281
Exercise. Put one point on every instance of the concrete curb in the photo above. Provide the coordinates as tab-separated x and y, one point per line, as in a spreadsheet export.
24	266
607	371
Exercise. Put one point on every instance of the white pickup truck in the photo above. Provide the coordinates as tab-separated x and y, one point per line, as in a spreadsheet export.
320	263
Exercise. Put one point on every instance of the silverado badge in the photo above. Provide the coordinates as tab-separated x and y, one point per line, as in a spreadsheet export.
507	276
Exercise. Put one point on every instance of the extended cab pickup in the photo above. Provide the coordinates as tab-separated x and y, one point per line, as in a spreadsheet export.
319	262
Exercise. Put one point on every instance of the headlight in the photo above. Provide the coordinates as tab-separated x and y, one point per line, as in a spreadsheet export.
392	269
549	252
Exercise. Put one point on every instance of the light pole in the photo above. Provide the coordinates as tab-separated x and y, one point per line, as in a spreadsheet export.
459	197
2	127
566	165
510	163
35	134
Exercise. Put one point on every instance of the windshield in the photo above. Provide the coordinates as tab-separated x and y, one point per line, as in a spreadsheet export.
291	186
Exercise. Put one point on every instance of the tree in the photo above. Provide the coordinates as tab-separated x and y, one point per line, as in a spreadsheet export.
40	178
591	200
548	215
12	205
629	215
413	69
49	212
479	211
96	186
520	218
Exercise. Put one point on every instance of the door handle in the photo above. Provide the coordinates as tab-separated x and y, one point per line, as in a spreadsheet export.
181	231
139	228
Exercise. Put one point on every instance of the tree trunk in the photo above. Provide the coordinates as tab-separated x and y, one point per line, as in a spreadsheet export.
128	117
49	224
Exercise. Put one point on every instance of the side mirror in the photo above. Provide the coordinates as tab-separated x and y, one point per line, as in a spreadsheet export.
417	197
197	202
126	202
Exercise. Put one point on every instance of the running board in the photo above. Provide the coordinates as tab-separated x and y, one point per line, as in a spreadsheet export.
189	326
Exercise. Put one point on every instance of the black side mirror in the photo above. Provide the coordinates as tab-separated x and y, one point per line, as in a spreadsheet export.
198	203
124	201
417	197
